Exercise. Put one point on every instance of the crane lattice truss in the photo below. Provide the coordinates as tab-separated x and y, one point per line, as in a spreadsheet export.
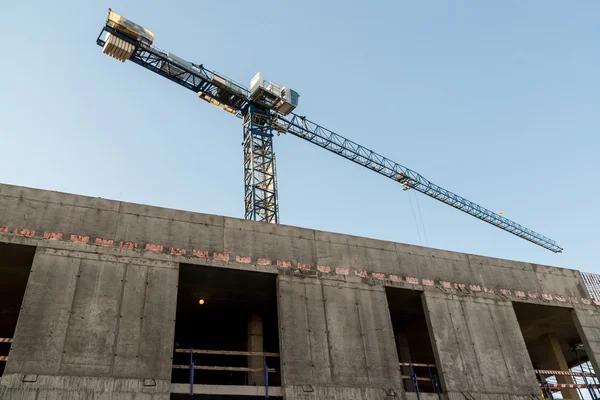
259	124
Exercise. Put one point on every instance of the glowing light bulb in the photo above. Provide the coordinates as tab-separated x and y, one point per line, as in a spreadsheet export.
201	301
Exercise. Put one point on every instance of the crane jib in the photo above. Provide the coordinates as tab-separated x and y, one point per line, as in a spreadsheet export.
307	130
235	98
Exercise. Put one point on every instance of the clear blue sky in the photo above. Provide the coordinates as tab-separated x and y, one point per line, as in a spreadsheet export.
496	101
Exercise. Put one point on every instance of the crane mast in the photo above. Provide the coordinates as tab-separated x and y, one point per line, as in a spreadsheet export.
266	109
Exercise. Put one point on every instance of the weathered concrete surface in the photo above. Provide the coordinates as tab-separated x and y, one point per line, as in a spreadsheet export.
587	321
478	345
336	334
80	309
35	387
99	309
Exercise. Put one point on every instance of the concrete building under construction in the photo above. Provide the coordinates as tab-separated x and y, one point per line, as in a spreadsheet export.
102	299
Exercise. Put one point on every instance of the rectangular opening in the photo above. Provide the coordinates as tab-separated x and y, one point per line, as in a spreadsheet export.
417	360
554	344
227	327
15	264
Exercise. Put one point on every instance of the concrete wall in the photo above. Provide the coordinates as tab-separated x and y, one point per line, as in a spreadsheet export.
100	316
587	321
336	335
99	309
478	345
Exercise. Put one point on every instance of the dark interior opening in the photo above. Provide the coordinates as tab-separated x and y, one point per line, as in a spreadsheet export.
412	340
549	334
15	265
236	304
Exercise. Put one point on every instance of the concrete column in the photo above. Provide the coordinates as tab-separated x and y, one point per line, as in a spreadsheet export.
557	361
404	356
255	344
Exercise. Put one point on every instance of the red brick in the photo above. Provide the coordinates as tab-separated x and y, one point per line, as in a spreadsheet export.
519	293
475	288
221	256
263	261
362	274
342	271
79	239
243	260
25	232
157	248
3	229
428	282
378	275
53	235
323	268
414	281
284	264
104	242
200	253
395	278
304	267
446	284
128	245
176	251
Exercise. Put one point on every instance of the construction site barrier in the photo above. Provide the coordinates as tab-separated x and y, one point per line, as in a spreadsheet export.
563	373
573	385
5	340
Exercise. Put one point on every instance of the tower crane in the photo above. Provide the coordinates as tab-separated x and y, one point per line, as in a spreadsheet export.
267	109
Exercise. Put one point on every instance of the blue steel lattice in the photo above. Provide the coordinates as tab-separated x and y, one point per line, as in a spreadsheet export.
200	80
323	137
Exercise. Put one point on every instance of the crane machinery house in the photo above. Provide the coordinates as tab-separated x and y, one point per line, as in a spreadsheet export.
270	95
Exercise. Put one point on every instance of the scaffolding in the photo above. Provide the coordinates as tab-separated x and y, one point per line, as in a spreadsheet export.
592	284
